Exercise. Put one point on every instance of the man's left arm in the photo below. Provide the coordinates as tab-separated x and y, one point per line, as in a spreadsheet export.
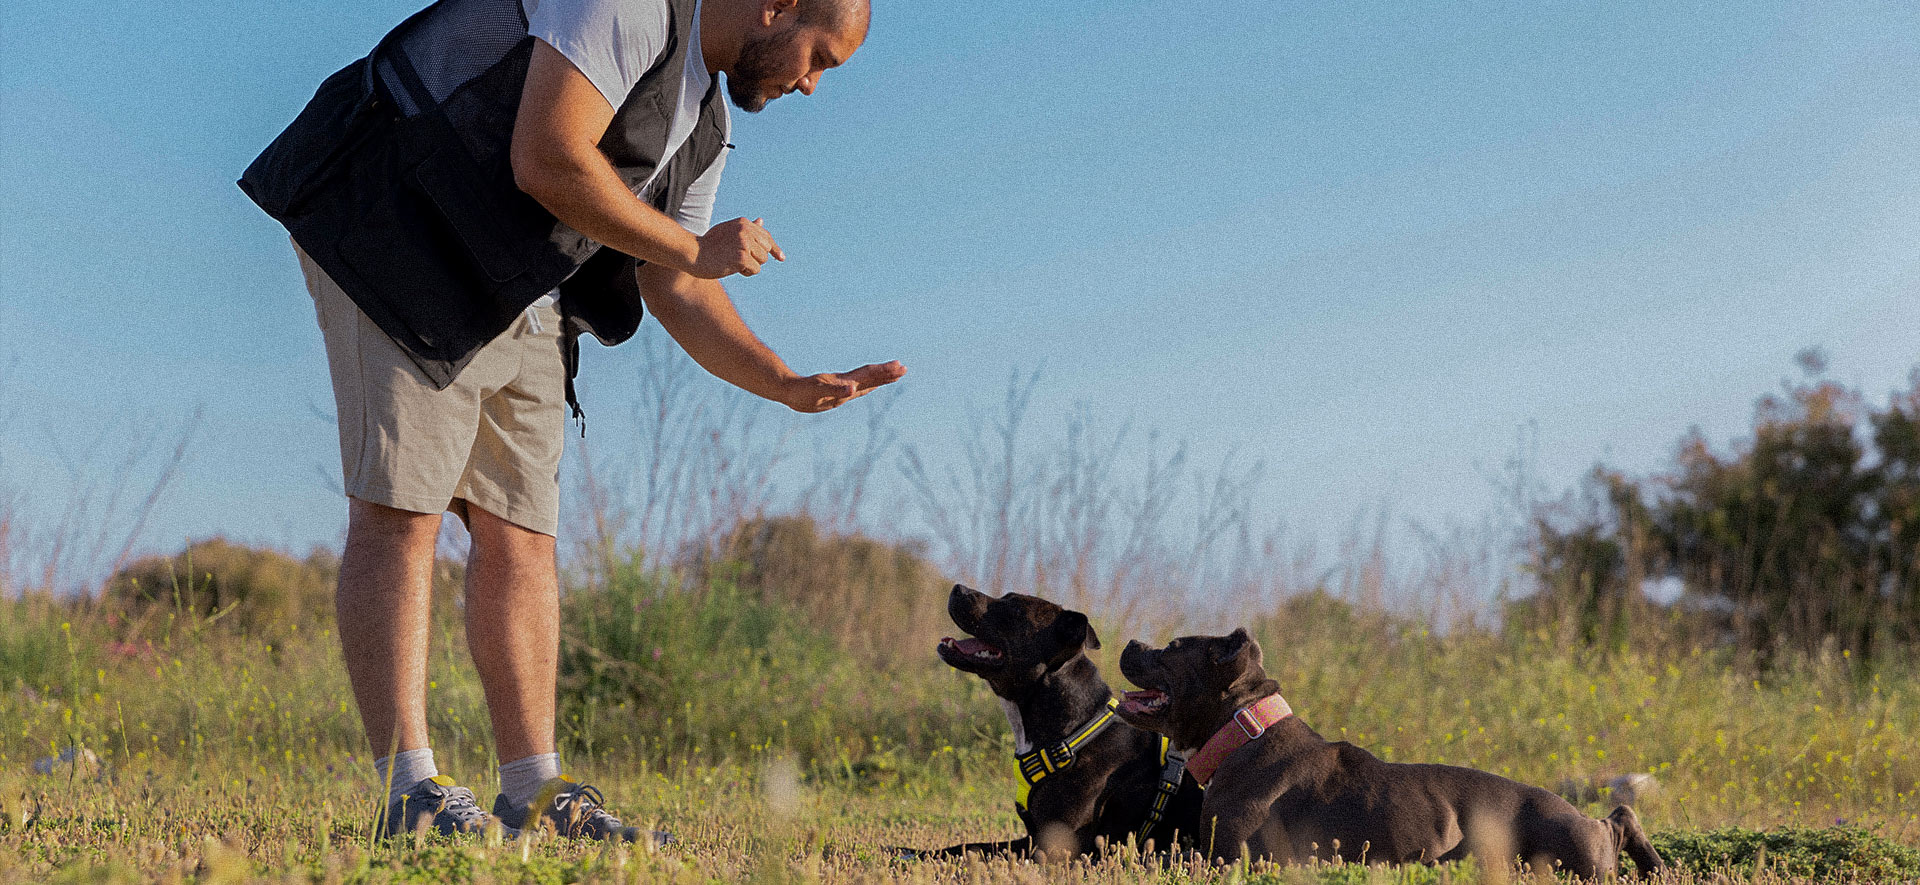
700	316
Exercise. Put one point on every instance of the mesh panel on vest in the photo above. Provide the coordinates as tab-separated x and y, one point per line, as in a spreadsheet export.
456	42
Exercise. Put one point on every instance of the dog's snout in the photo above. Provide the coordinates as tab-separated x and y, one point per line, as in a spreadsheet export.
966	606
1133	658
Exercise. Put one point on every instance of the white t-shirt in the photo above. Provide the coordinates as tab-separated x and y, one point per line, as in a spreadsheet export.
614	42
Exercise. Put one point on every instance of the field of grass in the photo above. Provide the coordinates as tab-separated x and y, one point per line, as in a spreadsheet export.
776	756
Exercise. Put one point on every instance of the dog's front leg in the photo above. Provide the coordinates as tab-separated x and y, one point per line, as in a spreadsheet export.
1229	824
1063	820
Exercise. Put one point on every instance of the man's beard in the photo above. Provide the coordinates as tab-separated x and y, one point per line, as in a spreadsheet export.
747	82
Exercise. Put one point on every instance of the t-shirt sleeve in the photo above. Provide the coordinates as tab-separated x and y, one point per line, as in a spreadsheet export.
696	211
613	42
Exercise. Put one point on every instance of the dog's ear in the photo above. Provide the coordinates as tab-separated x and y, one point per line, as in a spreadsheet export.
1074	630
1240	648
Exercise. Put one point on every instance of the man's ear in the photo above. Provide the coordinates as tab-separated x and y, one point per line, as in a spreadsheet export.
771	10
1239	645
1075	631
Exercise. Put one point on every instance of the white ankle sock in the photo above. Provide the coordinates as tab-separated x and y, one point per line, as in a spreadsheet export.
521	778
401	771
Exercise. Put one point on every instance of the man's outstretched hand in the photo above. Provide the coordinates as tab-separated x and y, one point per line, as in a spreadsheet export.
818	393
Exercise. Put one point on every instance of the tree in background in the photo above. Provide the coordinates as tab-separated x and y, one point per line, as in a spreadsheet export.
1589	556
1802	538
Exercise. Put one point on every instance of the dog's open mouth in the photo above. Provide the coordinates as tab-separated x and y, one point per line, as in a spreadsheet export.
970	650
1145	701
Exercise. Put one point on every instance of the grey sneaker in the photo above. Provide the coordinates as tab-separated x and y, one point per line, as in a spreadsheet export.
576	811
438	804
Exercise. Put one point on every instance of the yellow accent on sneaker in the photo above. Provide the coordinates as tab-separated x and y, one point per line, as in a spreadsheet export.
576	811
442	780
542	800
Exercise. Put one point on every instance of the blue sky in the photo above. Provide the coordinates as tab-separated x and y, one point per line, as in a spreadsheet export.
1363	242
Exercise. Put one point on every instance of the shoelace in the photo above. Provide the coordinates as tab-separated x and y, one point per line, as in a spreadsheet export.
462	806
591	808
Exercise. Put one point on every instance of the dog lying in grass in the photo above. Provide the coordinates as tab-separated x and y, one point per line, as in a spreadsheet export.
1275	789
1086	776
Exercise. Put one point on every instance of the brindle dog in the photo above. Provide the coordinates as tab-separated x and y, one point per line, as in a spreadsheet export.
1032	654
1290	794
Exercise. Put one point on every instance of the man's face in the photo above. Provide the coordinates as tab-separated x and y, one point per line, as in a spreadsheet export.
789	59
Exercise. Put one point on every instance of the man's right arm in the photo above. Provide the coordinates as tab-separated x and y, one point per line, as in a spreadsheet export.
557	160
702	319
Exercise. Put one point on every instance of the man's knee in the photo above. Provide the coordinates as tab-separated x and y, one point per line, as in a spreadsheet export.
492	532
368	522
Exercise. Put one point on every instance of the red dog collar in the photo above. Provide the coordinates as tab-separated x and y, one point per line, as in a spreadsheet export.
1248	723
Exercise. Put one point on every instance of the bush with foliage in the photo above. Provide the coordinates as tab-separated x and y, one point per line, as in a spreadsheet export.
248	588
1803	538
1839	853
873	598
716	671
251	590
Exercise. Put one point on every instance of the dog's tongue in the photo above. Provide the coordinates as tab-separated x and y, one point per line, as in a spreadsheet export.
1141	701
970	645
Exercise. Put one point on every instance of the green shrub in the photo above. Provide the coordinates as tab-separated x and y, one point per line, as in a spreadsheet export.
872	598
38	650
1814	853
716	672
249	589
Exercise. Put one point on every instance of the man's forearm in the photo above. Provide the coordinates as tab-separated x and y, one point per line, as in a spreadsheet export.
700	316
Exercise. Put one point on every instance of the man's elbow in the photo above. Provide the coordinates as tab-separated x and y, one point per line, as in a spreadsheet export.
540	172
669	293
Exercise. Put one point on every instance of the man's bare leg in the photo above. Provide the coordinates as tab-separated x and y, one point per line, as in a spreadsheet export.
513	631
383	604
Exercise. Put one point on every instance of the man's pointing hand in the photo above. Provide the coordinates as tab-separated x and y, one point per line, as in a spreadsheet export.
735	247
818	393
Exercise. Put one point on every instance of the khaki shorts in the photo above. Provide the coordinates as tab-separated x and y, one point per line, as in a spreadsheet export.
492	439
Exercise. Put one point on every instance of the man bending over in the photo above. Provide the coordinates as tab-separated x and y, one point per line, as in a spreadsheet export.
495	179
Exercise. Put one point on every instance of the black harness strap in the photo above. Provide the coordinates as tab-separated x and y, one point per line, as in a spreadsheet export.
1172	766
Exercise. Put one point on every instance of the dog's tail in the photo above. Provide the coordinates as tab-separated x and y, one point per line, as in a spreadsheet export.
1629	837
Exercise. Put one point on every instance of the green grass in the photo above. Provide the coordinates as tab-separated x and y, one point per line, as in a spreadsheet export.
777	758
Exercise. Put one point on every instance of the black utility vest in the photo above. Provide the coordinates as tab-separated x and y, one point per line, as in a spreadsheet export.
418	219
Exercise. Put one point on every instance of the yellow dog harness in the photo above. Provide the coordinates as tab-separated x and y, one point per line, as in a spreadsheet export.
1035	766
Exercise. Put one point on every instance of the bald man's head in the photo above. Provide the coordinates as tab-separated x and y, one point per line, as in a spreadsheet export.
796	42
837	15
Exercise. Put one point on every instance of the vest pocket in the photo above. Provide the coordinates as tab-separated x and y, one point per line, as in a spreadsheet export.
490	229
